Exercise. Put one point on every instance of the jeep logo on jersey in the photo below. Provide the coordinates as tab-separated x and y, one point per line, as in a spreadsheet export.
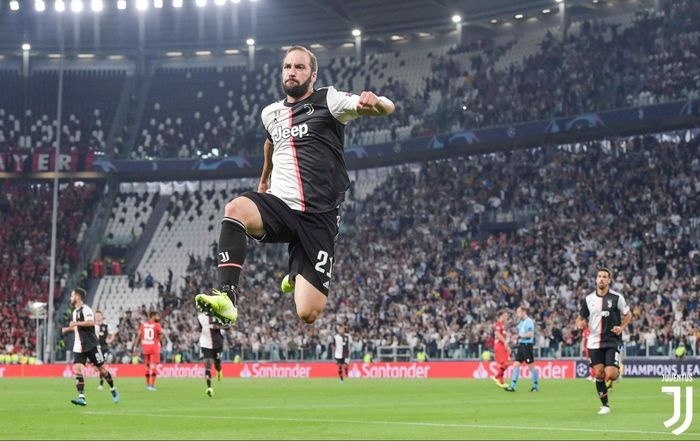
283	133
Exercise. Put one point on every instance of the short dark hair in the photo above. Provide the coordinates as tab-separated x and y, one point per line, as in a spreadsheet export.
98	312
81	292
314	63
607	270
152	314
501	312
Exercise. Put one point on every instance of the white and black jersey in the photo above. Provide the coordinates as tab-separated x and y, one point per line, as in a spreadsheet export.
102	332
308	165
85	336
603	314
342	346
210	337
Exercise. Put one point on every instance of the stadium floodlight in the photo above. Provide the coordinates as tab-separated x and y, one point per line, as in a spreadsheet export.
14	5
220	2
203	53
40	5
235	1
76	6
519	16
201	3
54	55
121	4
558	1
356	32
141	5
456	18
158	4
173	54
494	20
26	47
86	55
97	5
59	6
232	51
546	11
177	3
250	42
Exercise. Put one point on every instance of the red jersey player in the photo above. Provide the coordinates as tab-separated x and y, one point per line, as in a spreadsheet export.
500	347
150	336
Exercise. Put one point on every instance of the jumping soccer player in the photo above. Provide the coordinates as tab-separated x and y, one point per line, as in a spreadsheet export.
302	185
104	339
211	343
85	346
525	353
607	315
150	336
341	351
500	349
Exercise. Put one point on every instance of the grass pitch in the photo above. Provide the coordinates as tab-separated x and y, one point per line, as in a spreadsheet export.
325	409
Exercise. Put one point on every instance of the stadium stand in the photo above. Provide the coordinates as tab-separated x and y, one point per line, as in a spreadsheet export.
28	110
394	284
618	62
25	212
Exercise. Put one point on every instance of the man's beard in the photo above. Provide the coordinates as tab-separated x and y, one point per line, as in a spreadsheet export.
297	90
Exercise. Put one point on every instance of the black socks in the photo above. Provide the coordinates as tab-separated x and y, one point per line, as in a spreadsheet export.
232	248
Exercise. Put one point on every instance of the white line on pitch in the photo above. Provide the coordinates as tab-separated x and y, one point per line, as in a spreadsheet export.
389	423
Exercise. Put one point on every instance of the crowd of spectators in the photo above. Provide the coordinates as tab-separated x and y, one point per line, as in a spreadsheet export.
214	112
425	262
25	251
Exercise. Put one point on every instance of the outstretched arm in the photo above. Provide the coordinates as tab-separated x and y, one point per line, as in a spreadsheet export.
373	105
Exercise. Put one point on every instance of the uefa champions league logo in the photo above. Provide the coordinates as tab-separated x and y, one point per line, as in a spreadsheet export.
677	392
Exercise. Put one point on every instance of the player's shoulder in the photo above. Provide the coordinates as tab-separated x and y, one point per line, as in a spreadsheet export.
617	294
270	109
590	296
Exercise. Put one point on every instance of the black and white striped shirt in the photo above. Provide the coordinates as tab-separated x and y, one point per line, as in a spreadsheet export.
308	171
603	314
210	338
85	336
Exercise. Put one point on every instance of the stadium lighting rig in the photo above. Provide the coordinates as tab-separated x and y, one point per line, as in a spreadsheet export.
77	6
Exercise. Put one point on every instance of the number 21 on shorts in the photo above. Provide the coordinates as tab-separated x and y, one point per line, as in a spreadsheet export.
323	259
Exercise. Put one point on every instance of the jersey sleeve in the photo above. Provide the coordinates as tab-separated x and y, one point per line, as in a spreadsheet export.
88	314
342	105
583	310
622	305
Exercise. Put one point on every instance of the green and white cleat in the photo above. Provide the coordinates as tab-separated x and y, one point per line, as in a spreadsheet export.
287	285
210	391
218	305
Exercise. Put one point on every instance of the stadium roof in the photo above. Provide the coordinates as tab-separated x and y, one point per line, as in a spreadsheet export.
231	22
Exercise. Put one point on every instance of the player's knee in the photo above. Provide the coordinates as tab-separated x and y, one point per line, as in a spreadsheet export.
308	315
237	209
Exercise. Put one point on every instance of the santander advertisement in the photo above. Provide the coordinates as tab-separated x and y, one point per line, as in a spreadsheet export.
554	369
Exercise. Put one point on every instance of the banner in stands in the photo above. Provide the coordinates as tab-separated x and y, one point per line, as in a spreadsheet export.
554	369
43	160
650	367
